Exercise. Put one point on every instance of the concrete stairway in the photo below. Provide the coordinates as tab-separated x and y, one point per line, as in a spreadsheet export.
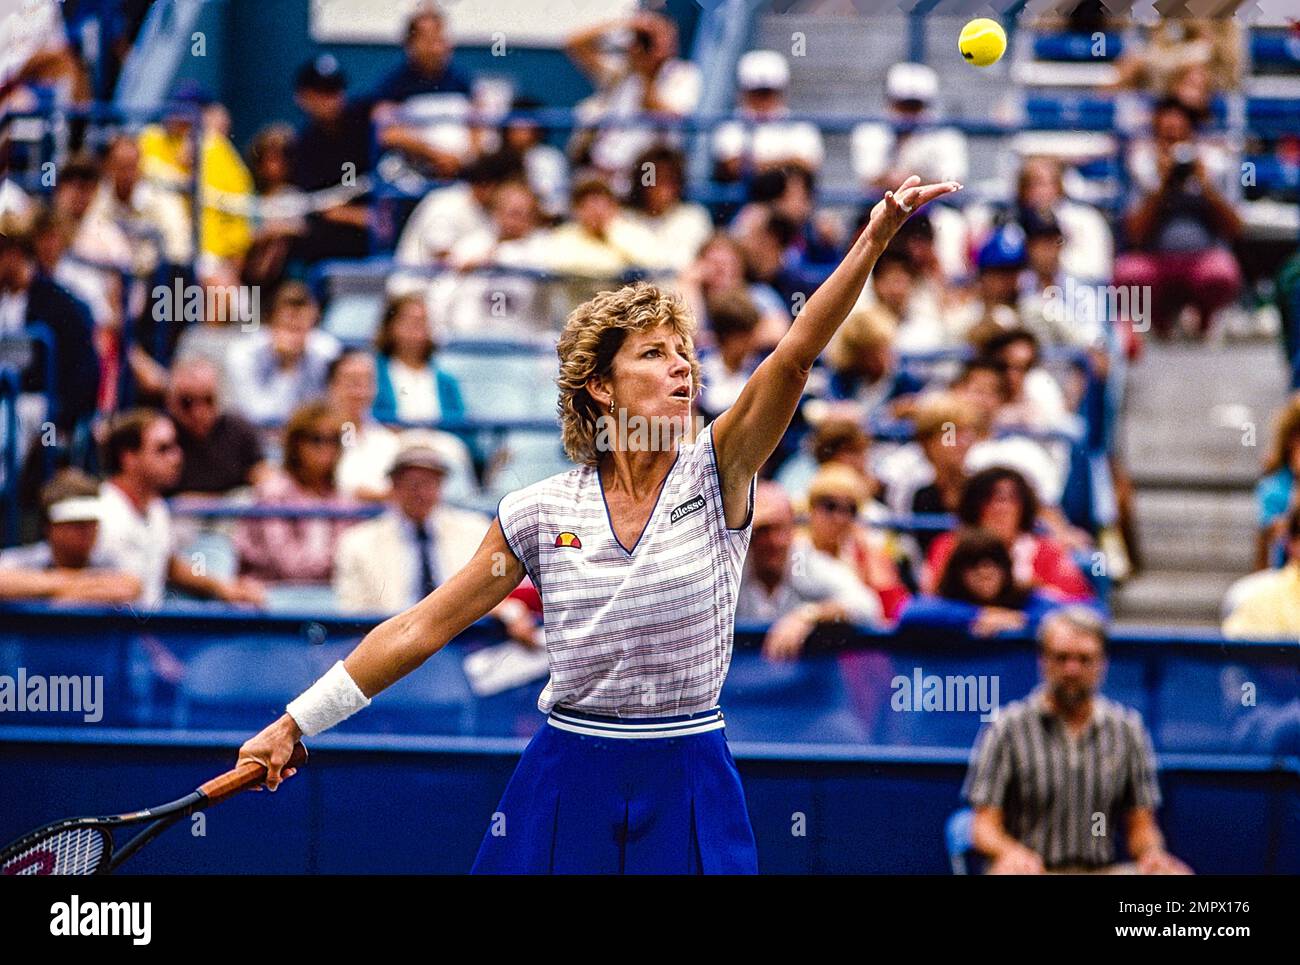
1186	442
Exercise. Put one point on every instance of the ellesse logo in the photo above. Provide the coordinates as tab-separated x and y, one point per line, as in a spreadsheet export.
686	508
568	539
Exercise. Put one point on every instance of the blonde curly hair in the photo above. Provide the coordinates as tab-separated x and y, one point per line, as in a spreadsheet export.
592	336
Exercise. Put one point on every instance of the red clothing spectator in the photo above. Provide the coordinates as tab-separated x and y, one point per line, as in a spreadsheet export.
1039	561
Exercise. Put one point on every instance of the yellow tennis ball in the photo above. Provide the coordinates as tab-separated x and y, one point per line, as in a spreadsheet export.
982	42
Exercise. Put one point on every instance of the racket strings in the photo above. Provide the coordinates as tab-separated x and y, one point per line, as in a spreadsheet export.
75	851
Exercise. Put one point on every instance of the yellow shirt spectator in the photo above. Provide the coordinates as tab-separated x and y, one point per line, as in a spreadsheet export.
1270	608
165	154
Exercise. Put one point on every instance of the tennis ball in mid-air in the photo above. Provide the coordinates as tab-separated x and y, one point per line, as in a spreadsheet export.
982	42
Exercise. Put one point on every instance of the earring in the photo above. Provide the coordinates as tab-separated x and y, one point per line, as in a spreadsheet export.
611	406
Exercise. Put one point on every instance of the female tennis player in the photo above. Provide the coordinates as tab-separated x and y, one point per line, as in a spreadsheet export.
637	554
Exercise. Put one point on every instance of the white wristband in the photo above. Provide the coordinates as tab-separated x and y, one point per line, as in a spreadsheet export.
329	701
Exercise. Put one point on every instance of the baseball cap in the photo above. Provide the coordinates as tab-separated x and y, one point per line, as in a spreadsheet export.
762	70
421	449
911	82
1005	248
75	509
322	74
190	93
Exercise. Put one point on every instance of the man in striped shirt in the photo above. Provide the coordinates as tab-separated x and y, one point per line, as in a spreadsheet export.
1052	774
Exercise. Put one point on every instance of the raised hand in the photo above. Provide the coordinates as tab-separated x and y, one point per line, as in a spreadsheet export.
894	208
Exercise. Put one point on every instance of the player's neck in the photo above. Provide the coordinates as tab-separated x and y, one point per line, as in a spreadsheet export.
635	474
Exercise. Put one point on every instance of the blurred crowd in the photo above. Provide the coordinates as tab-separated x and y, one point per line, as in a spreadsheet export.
1006	429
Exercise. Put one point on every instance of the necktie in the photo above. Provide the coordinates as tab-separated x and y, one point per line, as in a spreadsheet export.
422	540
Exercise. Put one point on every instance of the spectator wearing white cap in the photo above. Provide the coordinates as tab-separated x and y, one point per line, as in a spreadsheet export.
61	568
881	151
884	154
762	137
391	562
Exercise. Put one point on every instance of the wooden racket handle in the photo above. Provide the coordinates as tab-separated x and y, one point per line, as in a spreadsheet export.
246	775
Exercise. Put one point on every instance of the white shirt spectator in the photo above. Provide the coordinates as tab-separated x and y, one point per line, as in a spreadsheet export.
811	577
416	390
547	171
1060	316
94	286
482	245
438	119
437	223
905	470
1088	251
491	305
368	452
768	143
1220	166
263	392
574	251
1042	408
1028	457
721	388
135	543
936	154
154	218
31	27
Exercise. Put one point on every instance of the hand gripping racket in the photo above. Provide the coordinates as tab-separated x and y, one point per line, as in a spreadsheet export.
84	846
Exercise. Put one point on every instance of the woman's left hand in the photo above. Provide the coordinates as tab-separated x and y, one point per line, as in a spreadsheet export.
894	208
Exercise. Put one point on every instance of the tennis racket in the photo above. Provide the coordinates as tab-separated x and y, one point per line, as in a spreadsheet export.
84	846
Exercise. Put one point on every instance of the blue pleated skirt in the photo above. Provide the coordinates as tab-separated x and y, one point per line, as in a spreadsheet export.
581	802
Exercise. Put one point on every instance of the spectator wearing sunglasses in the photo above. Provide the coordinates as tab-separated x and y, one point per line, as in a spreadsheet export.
836	497
299	550
792	586
1034	399
221	450
143	460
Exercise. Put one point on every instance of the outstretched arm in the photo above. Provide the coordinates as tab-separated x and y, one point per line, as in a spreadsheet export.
746	434
400	644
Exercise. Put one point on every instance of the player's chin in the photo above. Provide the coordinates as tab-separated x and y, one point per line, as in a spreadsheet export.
674	419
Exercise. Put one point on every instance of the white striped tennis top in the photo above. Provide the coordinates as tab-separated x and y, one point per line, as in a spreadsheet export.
640	631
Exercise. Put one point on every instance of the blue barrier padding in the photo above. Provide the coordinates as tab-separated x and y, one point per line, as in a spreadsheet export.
1281	49
1079	48
410	784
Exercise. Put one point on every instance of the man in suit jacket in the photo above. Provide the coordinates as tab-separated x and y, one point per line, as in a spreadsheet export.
389	563
28	297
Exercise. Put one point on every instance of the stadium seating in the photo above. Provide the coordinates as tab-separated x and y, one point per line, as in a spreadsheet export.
185	684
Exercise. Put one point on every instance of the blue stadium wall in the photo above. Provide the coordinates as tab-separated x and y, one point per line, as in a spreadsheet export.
411	784
413	805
